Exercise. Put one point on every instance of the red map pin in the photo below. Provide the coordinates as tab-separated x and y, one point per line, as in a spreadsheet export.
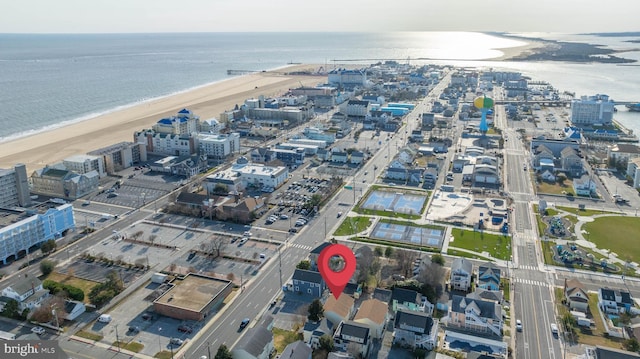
336	280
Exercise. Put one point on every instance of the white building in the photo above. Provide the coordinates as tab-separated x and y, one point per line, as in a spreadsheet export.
592	110
166	143
218	146
184	123
27	291
121	155
347	78
242	175
15	187
85	164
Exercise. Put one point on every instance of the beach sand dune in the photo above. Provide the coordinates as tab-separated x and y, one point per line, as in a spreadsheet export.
44	148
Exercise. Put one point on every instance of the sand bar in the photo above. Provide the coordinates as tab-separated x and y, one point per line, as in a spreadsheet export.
49	147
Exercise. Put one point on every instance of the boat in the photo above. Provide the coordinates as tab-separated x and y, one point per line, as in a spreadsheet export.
634	107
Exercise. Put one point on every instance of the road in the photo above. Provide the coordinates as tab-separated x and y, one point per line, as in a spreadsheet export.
533	297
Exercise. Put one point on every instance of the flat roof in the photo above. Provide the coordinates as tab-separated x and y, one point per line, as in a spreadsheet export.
193	292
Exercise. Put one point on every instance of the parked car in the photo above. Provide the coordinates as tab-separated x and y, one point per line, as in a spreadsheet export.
176	341
519	325
185	329
554	328
104	318
38	330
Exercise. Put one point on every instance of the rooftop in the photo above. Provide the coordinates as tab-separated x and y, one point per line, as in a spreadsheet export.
193	292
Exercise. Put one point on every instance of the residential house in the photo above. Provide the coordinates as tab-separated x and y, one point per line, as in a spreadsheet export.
408	299
576	295
414	175
614	301
415	330
296	350
612	353
73	309
383	295
262	155
308	282
256	343
489	277
484	294
353	338
357	157
338	310
315	253
312	331
571	162
373	313
396	171
27	291
479	316
430	176
584	186
339	156
461	272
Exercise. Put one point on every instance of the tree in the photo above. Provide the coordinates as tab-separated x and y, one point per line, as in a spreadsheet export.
405	260
221	188
47	266
631	345
326	342
378	251
11	309
388	252
215	246
437	259
48	246
304	264
223	353
316	311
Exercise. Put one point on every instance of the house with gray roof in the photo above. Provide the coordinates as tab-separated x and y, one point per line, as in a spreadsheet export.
312	331
352	337
571	162
415	329
296	350
408	299
614	301
474	315
27	291
257	343
308	282
461	272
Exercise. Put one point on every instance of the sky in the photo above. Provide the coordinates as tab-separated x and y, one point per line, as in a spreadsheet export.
127	16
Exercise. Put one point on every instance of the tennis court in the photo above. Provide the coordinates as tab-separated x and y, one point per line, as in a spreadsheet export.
394	202
431	237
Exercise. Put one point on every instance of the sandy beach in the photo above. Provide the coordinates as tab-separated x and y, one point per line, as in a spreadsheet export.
49	147
511	52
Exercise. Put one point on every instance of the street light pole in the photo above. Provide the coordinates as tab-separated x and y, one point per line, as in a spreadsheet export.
118	339
209	350
280	264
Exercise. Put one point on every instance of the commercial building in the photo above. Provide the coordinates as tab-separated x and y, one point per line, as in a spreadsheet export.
168	144
243	174
15	187
193	297
121	155
56	182
22	231
218	146
85	164
592	110
183	123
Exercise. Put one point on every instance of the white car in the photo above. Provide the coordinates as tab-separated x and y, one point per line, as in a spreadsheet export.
519	325
38	330
554	328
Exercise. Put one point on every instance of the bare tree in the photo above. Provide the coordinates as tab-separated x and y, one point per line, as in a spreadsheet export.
44	313
405	259
433	275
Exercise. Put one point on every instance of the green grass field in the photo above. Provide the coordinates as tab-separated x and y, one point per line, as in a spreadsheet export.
615	234
498	246
352	225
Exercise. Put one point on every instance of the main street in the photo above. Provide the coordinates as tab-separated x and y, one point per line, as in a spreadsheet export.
533	297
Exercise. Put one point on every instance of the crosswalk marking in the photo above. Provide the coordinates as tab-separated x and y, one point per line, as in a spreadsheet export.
301	246
528	267
532	282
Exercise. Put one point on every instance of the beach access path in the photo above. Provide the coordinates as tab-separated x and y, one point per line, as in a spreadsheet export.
49	147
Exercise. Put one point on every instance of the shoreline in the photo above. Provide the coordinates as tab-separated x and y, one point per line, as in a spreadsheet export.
207	101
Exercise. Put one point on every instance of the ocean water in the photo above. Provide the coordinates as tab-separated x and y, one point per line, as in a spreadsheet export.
50	80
